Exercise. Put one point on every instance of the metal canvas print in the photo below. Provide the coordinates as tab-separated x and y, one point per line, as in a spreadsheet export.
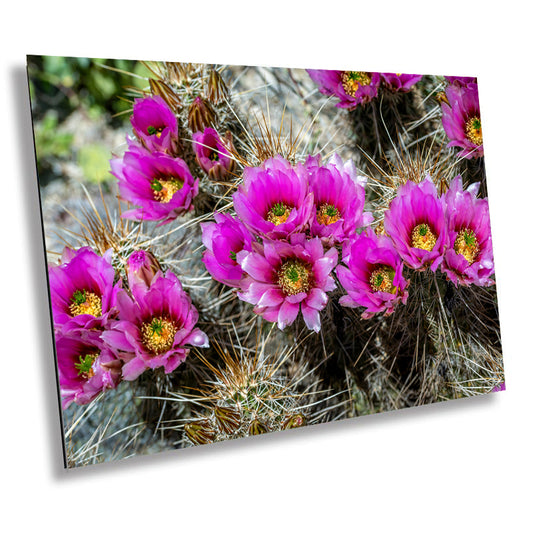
237	250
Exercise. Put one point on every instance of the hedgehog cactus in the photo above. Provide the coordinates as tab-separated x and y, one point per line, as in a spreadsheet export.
370	270
249	396
198	96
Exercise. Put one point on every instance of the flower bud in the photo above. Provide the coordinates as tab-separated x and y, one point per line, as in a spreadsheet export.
257	427
216	90
295	421
155	124
213	153
201	115
228	419
200	432
141	268
160	88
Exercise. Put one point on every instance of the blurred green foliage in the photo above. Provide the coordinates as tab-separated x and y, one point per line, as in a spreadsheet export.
66	83
94	162
49	142
61	85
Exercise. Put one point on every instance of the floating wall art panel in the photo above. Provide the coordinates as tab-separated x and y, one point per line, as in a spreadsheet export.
235	251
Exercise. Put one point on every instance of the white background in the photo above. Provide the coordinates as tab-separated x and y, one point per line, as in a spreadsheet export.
460	466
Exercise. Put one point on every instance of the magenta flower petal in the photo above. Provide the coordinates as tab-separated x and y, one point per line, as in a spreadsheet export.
339	199
256	266
141	268
160	332
161	186
469	258
499	387
317	299
224	239
274	200
296	276
86	369
311	317
197	338
415	221
271	297
212	153
82	291
296	298
133	369
460	80
399	82
254	290
287	313
154	124
373	275
461	119
120	340
351	87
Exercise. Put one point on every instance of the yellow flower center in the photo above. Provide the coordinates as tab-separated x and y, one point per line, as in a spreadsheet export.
164	188
85	366
158	334
351	81
381	279
327	214
423	237
279	213
294	276
85	303
466	245
473	131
